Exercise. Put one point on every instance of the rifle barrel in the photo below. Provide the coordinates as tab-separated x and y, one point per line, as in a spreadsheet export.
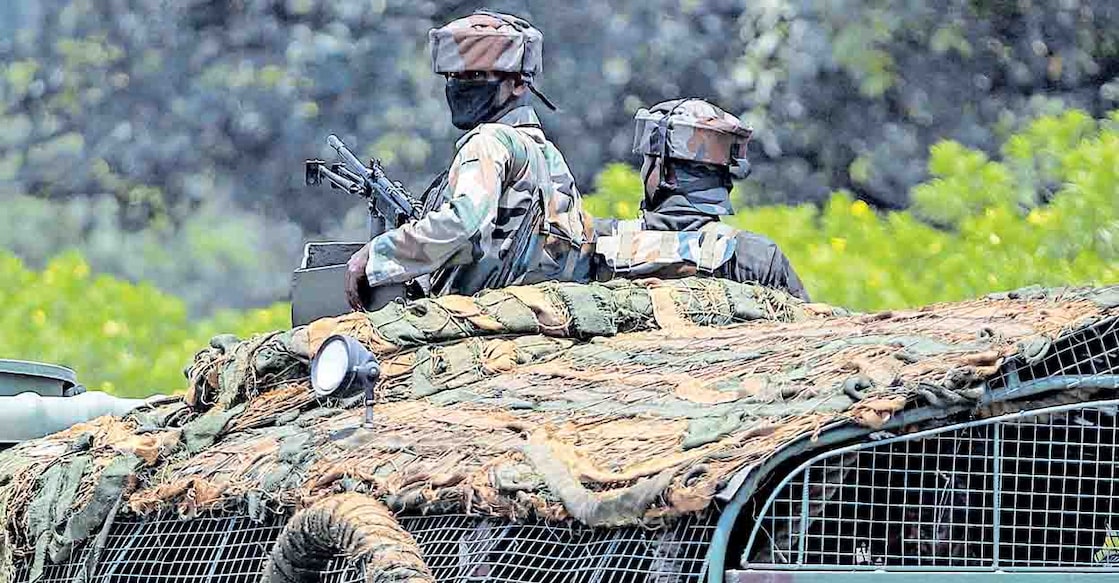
371	179
355	165
342	182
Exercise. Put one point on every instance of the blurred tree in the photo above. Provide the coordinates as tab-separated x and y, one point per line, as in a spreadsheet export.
214	258
851	93
208	107
166	104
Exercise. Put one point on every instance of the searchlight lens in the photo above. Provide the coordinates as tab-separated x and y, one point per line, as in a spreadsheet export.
328	371
343	368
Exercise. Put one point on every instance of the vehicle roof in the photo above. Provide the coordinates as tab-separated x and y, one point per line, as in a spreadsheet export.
622	406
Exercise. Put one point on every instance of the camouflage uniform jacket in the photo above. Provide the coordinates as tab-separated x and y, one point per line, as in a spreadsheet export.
500	171
626	248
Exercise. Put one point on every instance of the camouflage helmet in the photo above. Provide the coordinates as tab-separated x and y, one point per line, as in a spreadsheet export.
695	130
487	41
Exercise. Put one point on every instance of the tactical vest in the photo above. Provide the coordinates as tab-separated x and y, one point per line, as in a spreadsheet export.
631	251
545	244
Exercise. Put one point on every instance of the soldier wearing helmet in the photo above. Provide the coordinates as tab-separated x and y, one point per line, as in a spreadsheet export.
692	151
512	213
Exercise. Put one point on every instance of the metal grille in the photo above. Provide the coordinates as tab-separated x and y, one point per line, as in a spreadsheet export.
213	549
1089	354
228	549
1034	490
463	548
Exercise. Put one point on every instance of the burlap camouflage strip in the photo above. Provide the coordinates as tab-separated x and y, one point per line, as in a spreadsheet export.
607	404
351	525
229	372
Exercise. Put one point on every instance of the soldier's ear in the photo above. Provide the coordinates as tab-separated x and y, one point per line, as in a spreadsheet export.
520	87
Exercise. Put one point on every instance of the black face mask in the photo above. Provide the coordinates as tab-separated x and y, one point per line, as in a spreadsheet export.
699	177
700	194
473	101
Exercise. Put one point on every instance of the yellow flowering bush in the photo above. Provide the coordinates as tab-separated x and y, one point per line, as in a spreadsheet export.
123	338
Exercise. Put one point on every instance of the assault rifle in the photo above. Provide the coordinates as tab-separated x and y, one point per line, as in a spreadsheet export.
389	202
317	286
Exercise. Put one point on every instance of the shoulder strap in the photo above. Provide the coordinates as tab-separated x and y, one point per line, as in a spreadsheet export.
714	239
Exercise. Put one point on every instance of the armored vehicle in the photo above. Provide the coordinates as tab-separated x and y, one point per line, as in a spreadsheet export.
686	430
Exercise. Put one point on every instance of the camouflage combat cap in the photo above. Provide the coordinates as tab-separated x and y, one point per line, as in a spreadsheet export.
487	41
691	129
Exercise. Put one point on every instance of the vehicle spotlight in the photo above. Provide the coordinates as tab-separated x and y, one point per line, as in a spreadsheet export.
344	368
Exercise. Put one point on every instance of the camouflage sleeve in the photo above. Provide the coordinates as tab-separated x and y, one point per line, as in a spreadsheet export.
474	183
759	259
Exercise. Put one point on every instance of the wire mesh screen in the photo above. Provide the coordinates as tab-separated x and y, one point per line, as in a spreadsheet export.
213	549
1060	490
1033	491
228	549
1089	354
462	548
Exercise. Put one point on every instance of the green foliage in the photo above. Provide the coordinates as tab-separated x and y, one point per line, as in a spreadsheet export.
617	193
127	339
216	257
1047	214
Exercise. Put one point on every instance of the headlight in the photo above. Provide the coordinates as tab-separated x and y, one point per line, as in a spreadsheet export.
343	368
330	366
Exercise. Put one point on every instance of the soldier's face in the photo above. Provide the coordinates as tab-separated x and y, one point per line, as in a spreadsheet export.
511	85
477	97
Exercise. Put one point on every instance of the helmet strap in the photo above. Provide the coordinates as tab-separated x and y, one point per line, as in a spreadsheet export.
538	94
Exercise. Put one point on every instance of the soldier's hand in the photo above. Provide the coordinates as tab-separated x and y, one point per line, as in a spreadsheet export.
355	277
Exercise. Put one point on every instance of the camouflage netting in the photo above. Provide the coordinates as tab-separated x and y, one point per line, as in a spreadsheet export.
230	371
615	404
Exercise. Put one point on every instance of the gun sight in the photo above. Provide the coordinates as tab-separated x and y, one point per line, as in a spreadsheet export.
313	174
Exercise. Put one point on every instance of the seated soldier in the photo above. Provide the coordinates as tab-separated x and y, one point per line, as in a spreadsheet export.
692	151
512	213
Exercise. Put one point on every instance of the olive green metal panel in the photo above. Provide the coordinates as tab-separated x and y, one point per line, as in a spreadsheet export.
48	380
318	286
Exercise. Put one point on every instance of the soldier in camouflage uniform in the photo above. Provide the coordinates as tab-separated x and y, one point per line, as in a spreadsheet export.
512	213
692	151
